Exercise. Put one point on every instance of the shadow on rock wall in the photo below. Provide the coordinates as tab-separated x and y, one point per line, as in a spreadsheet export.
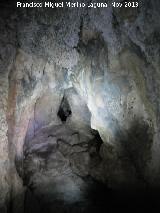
138	143
98	199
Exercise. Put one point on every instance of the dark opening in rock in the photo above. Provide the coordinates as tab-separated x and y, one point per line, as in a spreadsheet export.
64	110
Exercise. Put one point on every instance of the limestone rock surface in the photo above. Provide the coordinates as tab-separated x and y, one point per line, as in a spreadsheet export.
106	63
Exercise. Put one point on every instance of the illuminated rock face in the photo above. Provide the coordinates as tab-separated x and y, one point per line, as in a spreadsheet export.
57	167
105	63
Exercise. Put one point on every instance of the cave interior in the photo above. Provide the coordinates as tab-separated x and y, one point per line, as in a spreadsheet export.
80	108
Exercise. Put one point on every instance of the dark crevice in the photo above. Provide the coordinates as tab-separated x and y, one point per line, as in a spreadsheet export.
64	110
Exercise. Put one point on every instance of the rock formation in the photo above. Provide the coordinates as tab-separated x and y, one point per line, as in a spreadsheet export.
79	103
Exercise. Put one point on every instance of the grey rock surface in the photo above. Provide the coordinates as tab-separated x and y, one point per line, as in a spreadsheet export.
55	167
105	62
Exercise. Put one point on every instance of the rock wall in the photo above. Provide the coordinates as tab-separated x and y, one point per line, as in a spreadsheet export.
109	57
7	55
